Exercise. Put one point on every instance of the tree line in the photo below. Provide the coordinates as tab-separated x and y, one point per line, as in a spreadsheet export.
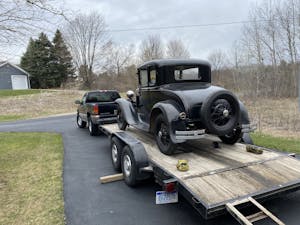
264	61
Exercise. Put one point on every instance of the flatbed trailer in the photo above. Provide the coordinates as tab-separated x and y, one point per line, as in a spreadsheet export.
221	178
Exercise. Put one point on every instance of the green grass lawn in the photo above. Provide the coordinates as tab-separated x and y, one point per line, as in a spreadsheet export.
280	143
5	118
7	93
31	178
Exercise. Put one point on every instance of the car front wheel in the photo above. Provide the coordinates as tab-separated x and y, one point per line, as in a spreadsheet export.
80	122
162	136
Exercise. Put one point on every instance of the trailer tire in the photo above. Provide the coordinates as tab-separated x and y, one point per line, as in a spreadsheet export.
93	128
129	167
80	122
116	153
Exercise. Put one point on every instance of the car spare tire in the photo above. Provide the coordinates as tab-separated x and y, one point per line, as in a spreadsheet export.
220	112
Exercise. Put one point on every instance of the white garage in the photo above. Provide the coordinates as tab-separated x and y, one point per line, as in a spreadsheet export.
13	77
19	82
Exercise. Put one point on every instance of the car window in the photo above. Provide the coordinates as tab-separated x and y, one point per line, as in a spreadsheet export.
152	80
143	78
181	73
102	96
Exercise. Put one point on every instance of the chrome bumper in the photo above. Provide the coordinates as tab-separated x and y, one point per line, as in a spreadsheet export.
189	134
98	120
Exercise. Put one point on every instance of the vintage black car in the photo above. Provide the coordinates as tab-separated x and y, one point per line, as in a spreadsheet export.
176	102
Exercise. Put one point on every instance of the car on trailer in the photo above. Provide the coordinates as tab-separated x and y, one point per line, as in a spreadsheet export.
95	108
176	101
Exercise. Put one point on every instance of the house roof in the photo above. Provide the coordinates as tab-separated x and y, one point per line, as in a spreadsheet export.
3	63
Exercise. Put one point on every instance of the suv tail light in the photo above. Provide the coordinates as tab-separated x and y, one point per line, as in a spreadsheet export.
96	109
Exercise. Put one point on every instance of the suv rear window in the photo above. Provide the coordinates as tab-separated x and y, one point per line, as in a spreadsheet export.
102	96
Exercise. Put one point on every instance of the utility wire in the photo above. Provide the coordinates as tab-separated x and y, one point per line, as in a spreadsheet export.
186	26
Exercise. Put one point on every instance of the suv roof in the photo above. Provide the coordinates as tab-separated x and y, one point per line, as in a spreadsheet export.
173	62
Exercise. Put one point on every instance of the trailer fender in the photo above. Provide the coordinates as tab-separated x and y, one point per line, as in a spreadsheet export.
138	151
170	109
128	111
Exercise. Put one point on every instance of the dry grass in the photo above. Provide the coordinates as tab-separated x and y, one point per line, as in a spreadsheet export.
278	117
39	104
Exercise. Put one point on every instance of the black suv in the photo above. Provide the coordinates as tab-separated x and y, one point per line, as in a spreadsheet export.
176	102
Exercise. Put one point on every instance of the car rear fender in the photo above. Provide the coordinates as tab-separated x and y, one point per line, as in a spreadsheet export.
128	111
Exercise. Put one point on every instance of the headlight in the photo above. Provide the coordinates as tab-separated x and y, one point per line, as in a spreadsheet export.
182	115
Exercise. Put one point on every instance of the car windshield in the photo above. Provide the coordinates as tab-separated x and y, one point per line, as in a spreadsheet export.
196	73
102	96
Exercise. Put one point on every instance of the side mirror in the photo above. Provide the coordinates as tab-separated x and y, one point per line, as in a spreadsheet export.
77	102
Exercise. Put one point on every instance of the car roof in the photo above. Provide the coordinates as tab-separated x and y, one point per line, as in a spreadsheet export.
97	91
173	62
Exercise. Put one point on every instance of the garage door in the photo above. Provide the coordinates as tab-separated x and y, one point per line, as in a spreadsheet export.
19	82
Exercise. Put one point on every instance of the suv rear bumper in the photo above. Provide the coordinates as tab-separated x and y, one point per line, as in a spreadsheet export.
96	119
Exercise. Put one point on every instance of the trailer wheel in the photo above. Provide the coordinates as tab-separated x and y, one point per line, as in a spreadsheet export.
116	153
121	120
162	135
129	168
80	122
93	128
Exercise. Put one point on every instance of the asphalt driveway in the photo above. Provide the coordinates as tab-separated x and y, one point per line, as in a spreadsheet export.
87	202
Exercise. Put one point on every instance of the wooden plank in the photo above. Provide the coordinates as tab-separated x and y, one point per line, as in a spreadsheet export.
237	215
267	212
111	178
256	217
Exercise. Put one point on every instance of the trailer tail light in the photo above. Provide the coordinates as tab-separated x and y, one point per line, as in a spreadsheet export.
169	185
96	109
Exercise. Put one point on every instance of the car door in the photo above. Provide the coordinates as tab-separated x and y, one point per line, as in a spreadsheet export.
82	108
144	107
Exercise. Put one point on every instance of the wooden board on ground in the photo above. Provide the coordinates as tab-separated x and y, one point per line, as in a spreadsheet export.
218	175
111	178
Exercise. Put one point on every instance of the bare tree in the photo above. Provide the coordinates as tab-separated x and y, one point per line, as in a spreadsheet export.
177	49
118	58
218	59
88	42
152	48
19	18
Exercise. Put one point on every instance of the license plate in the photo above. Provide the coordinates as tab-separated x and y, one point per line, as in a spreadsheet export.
163	197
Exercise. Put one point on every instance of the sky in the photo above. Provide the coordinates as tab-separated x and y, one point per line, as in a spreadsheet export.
162	13
131	14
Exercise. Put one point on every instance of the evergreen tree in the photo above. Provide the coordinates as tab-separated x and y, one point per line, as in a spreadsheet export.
62	66
48	64
37	60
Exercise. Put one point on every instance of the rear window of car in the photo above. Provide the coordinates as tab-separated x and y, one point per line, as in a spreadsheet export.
186	73
102	96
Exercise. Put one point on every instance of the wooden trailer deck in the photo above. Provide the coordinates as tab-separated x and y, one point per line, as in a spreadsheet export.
217	176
